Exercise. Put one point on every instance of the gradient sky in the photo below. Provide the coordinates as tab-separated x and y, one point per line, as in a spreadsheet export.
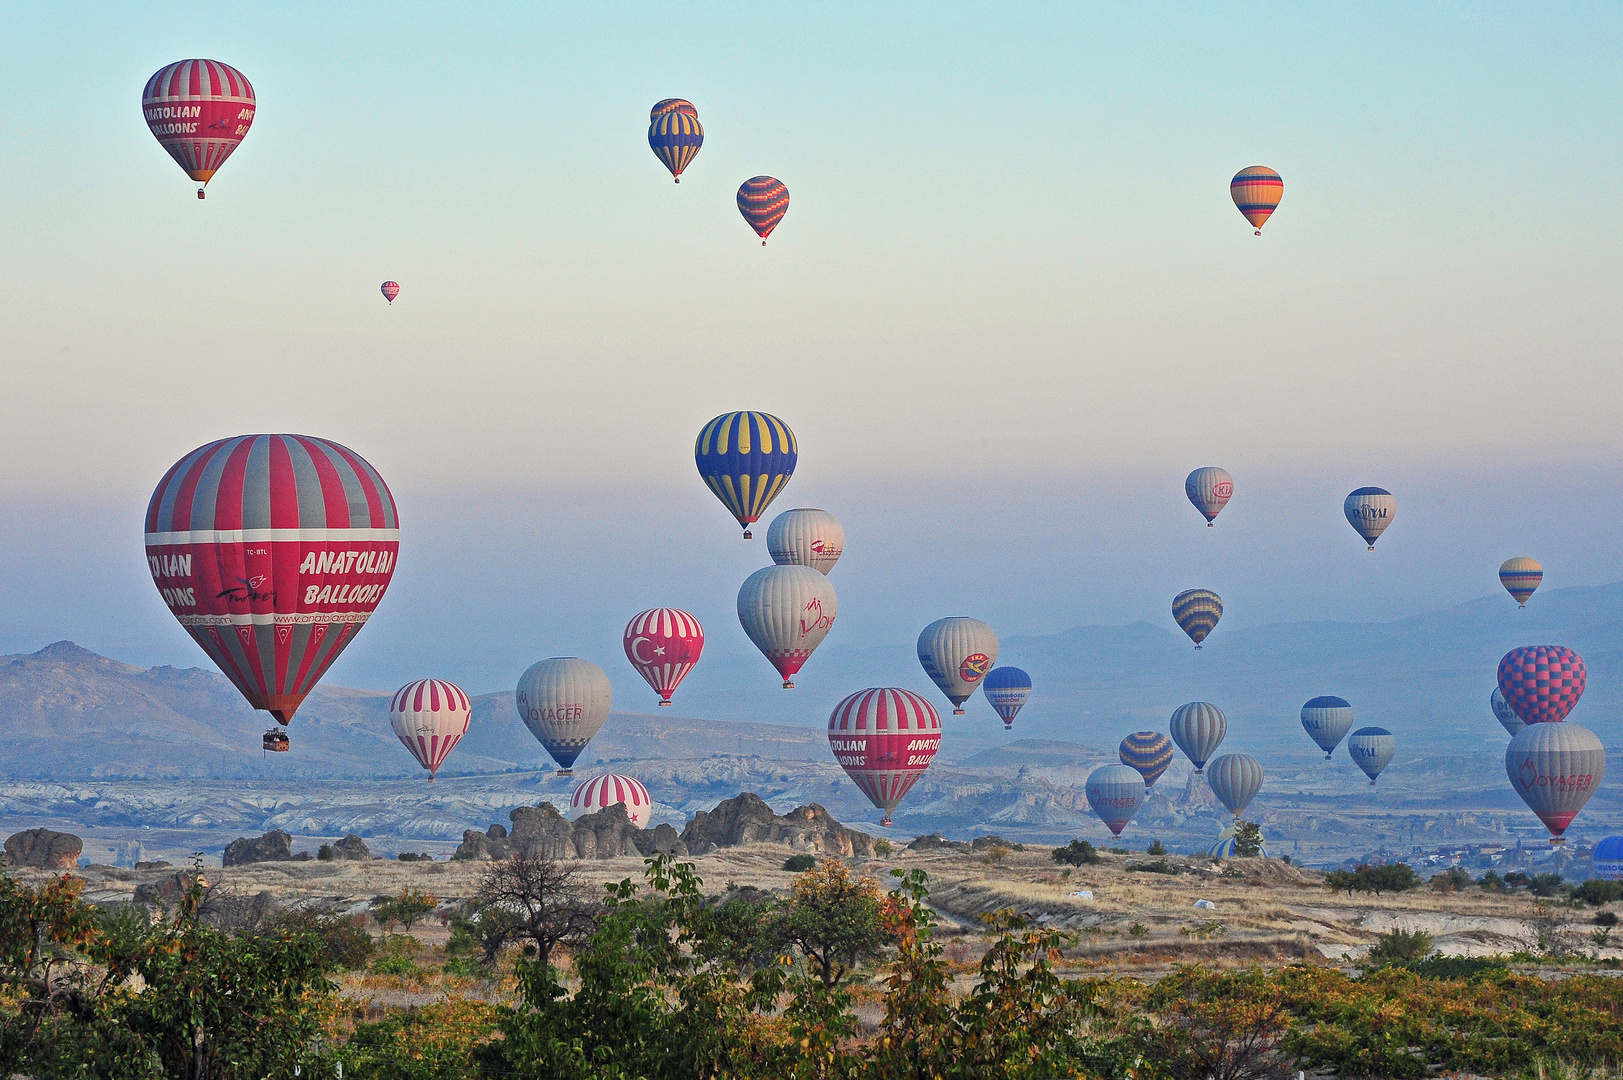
1010	307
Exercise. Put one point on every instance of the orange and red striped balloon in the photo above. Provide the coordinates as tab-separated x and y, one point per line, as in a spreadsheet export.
1256	191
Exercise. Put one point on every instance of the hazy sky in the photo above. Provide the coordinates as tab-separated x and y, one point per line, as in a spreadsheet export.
1010	307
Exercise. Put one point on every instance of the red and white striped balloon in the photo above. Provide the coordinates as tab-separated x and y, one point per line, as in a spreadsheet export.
199	111
663	644
430	716
602	792
884	738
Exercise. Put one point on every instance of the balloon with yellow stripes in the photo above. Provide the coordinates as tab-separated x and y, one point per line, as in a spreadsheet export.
746	458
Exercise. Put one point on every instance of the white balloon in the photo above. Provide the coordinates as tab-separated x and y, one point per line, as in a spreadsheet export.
1370	510
1506	716
1198	728
1115	792
1235	780
804	537
1371	749
787	611
1555	768
564	701
957	653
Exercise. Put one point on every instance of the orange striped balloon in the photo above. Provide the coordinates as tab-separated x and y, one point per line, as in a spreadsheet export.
1257	191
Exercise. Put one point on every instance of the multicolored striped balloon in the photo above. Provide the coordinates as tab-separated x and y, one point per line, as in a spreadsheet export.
1210	489
391	289
675	134
272	551
1542	683
1150	752
1196	612
1520	577
430	716
610	789
1007	689
663	644
884	738
1256	191
199	111
746	458
763	200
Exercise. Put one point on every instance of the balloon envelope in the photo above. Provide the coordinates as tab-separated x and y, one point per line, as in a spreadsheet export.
675	134
1370	510
663	644
957	653
1007	689
1196	612
564	701
1148	752
806	537
1542	683
272	551
746	458
1209	489
1555	768
763	200
884	738
1326	720
430	716
1224	848
1502	712
1235	780
1608	859
1198	728
1372	749
602	792
391	289
787	611
199	111
1256	191
1115	792
1520	576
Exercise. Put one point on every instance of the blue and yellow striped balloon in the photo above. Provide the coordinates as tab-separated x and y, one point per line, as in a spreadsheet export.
1196	612
675	134
1150	752
746	458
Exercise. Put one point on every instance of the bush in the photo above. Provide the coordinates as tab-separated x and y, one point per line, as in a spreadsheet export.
1138	929
1076	853
1397	877
1544	884
414	856
347	944
324	853
407	907
799	864
1156	848
1119	851
882	847
1596	893
1247	840
1492	882
1467	968
1605	918
1159	866
395	964
1399	946
1453	879
463	967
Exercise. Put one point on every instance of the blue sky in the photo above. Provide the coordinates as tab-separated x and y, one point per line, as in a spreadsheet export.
1010	307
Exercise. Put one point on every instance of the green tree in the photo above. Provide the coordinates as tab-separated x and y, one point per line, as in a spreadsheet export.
1395	877
407	907
1076	853
831	918
1247	839
1156	848
1453	879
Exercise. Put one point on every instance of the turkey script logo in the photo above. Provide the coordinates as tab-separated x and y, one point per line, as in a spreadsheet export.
974	667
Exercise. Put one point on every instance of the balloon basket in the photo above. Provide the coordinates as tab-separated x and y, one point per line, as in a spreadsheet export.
958	712
276	742
199	193
564	772
676	179
1197	648
1558	841
788	684
1211	524
748	535
662	704
885	821
1372	547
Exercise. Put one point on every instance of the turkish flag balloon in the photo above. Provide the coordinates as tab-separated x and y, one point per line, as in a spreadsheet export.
663	644
272	551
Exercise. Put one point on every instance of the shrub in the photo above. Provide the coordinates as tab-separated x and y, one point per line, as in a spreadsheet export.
407	907
1247	840
1138	929
463	967
1601	936
395	964
1544	884
1596	892
1438	966
1399	946
1453	879
1397	877
1156	848
1119	851
882	847
324	853
834	920
414	856
347	944
1286	859
1159	866
1492	882
1076	853
1605	918
797	864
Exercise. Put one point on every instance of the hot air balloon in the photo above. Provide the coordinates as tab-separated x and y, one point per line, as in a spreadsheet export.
1608	859
602	792
884	738
806	537
1326	720
763	200
430	716
1224	848
787	611
1007	689
1210	490
675	134
957	653
272	551
1235	780
199	111
1256	190
1196	612
1542	683
1372	749
1503	713
746	458
391	289
1555	768
1198	728
663	644
1370	510
1520	576
1149	752
564	701
1115	792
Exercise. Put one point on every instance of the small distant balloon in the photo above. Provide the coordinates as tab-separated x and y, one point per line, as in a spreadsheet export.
1198	728
1370	510
1542	683
806	537
429	717
1256	191
746	458
763	200
1503	713
1115	792
1520	577
1210	489
1149	752
1007	689
391	289
1555	768
1326	720
1196	612
1235	780
957	653
1372	749
675	134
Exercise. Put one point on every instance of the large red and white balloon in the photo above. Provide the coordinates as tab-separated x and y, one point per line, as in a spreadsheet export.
602	792
272	551
430	716
663	644
884	738
199	111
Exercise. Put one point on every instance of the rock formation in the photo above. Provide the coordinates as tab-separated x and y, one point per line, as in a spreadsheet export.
747	819
44	849
274	846
351	847
166	891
